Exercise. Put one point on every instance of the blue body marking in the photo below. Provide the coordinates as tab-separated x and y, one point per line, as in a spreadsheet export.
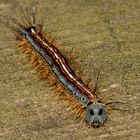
55	70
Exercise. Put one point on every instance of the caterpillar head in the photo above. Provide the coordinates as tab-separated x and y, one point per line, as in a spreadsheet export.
96	114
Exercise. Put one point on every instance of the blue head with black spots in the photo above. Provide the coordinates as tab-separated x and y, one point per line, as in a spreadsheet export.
96	114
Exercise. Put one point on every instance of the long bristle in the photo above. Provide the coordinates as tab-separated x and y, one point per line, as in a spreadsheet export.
44	72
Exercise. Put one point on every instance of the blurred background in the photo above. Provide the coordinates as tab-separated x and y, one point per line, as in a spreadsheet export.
104	32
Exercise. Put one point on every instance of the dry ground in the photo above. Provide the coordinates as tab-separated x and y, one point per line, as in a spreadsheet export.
108	33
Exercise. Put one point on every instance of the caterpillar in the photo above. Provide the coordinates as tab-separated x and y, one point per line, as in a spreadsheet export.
47	58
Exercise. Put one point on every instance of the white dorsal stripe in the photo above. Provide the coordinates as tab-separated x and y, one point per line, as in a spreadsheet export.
61	62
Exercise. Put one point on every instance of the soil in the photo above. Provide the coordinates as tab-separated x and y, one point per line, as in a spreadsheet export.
104	32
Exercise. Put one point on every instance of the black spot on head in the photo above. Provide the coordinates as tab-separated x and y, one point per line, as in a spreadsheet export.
83	98
91	112
100	111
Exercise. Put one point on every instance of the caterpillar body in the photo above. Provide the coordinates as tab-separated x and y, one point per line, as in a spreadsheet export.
89	105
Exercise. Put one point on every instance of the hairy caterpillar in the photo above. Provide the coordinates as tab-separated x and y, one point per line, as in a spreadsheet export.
47	57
